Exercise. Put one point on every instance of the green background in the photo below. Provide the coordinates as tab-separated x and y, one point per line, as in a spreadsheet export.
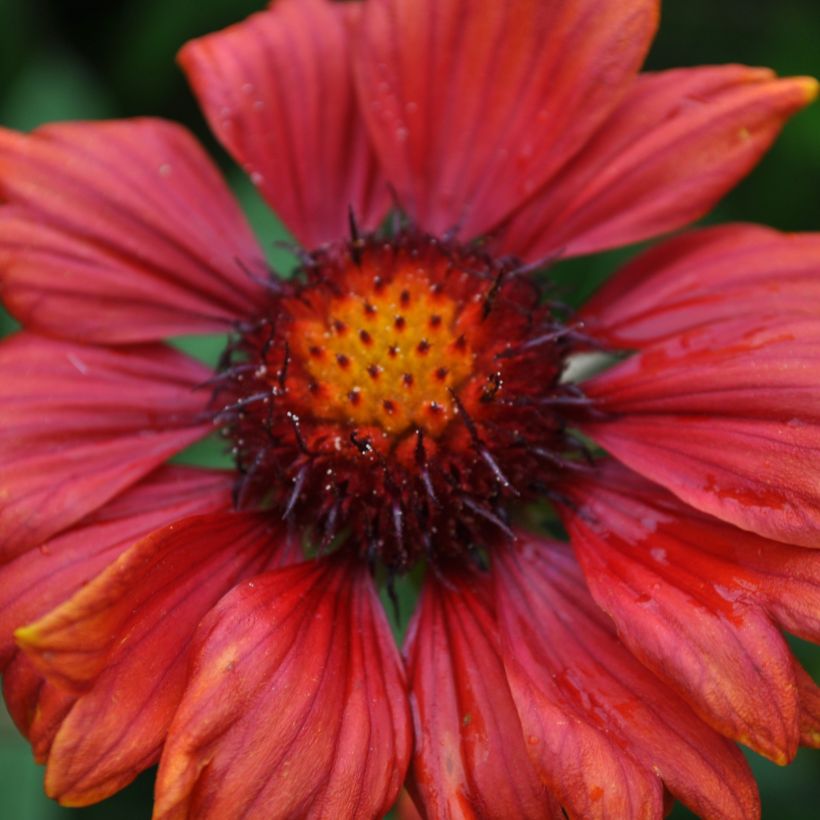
79	59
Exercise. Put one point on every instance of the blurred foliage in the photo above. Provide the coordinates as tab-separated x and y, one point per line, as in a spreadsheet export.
91	59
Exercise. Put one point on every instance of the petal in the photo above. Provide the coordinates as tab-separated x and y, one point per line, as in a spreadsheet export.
40	579
37	707
123	641
603	731
726	416
474	105
809	708
79	424
296	705
678	141
469	759
706	277
689	596
405	807
120	232
278	92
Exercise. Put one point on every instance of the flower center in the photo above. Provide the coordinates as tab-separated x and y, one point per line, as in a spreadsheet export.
397	396
391	354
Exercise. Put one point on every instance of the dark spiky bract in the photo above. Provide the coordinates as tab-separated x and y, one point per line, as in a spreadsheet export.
396	396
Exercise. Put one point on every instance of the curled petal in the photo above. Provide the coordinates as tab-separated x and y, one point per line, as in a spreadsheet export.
470	759
40	579
704	278
677	142
689	595
121	232
604	732
278	92
727	417
79	424
474	105
36	706
122	643
296	705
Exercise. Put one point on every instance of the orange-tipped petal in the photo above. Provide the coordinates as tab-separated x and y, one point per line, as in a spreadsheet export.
603	731
120	232
470	758
296	705
122	642
679	141
474	104
691	596
79	424
40	579
277	90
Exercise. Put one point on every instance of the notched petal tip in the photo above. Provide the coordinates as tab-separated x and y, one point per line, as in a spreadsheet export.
694	600
609	734
678	141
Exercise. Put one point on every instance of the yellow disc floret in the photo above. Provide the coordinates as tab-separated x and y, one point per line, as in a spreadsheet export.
391	356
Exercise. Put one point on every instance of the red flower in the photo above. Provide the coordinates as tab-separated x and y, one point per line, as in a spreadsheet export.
409	399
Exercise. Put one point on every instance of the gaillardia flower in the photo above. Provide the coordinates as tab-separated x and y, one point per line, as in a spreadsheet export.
410	401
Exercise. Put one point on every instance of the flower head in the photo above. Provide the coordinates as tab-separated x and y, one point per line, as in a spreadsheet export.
401	390
410	401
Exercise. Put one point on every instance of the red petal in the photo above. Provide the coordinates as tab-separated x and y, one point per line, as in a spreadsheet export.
726	416
296	705
278	92
123	640
470	758
121	232
675	145
405	807
809	708
689	596
706	277
603	731
80	424
37	707
474	105
40	579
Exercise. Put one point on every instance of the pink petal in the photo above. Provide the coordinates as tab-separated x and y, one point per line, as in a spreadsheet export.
470	758
706	277
474	105
121	232
689	596
40	579
677	142
296	704
603	731
726	416
79	424
122	643
278	92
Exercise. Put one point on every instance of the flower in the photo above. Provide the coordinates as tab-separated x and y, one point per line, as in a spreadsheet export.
409	401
